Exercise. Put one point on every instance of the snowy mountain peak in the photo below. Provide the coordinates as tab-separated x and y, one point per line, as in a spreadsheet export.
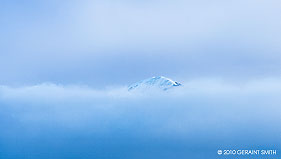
159	82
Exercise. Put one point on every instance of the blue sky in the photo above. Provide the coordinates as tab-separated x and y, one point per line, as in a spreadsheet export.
65	67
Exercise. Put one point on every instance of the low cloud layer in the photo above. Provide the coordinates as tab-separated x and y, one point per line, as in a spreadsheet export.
205	112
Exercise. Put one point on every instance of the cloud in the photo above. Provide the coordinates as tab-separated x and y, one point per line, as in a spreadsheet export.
93	44
101	43
115	101
198	87
201	111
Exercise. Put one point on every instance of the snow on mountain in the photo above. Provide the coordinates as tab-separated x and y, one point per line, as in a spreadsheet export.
158	82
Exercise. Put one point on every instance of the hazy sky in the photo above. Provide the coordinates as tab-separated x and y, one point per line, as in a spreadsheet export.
101	43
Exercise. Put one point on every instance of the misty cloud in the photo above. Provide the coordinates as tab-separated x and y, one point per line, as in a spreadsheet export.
65	65
100	43
68	105
203	110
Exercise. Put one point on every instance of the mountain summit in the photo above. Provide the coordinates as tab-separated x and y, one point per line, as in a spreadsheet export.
158	82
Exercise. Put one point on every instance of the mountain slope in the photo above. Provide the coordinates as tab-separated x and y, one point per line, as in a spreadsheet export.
158	82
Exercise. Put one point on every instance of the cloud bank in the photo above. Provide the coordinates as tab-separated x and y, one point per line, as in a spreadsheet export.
206	113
